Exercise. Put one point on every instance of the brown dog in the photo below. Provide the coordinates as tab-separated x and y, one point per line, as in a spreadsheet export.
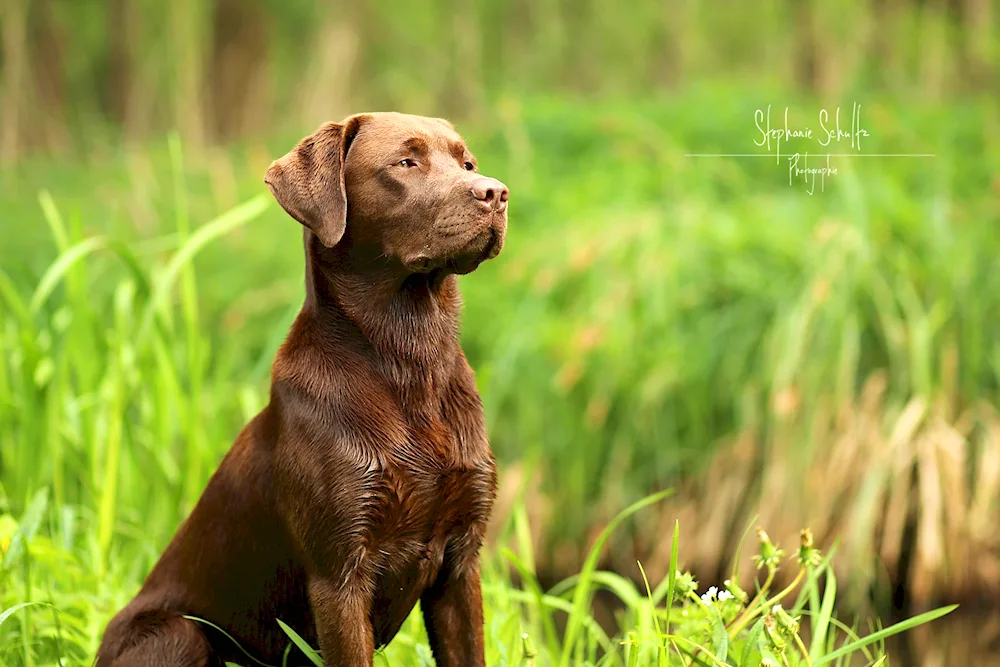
366	483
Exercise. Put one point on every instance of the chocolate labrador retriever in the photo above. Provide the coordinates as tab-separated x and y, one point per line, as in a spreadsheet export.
366	483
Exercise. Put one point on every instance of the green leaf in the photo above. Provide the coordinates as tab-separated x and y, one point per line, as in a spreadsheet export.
662	652
7	613
380	659
12	297
58	269
753	638
531	582
424	656
623	588
302	644
54	219
208	232
633	650
555	603
720	638
229	637
822	622
581	597
672	575
27	527
895	629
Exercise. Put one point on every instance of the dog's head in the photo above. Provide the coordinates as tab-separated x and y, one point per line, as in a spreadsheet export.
394	188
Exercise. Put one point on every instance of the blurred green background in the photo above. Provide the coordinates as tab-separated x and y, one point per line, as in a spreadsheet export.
656	320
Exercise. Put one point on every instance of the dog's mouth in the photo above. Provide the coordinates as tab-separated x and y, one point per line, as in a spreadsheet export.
484	246
492	248
468	262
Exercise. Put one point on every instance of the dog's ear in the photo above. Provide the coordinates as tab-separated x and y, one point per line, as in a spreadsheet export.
308	182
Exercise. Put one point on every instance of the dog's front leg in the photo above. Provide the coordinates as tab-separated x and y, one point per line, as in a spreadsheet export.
453	613
343	621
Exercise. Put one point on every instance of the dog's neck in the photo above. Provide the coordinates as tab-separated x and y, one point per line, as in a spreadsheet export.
410	320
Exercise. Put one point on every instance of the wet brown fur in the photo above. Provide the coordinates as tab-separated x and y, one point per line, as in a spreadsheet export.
366	483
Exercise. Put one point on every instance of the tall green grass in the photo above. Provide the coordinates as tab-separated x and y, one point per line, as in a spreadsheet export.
654	321
77	74
61	625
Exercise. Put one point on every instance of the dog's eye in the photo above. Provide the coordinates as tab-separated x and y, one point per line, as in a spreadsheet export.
407	163
469	166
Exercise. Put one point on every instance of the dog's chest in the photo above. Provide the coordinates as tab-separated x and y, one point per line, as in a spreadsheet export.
439	486
432	520
429	508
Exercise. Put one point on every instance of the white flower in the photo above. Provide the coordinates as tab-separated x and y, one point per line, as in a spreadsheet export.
709	595
725	595
775	609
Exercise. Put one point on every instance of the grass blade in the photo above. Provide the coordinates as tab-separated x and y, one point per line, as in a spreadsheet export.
902	626
63	263
7	613
581	597
27	528
720	638
208	232
753	637
229	637
822	622
528	579
302	644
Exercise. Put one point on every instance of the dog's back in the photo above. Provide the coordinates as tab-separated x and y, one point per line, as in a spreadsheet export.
231	563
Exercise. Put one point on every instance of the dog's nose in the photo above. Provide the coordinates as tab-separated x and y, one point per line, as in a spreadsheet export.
492	193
